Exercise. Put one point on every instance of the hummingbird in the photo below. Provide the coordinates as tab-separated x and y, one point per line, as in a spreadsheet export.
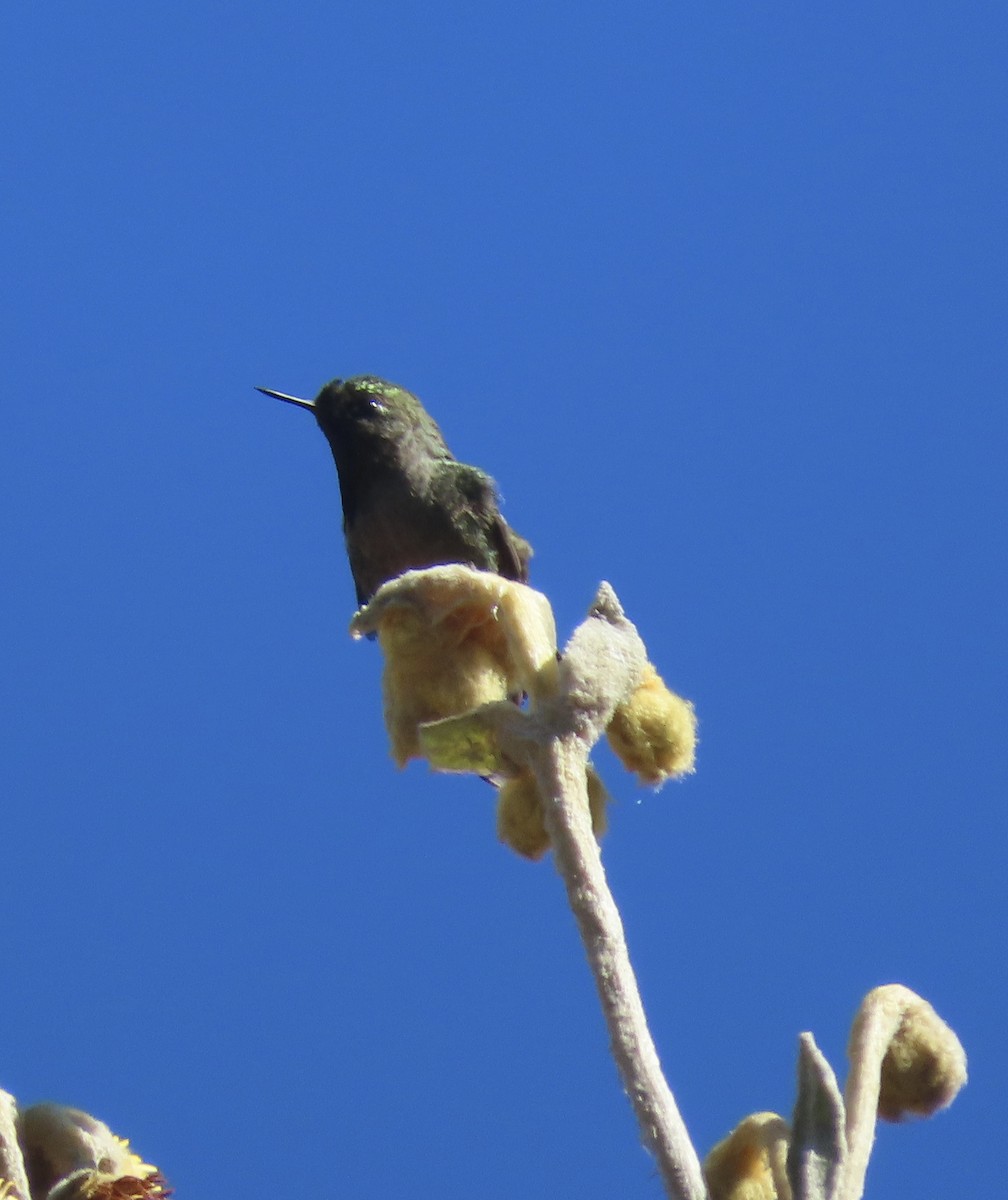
407	500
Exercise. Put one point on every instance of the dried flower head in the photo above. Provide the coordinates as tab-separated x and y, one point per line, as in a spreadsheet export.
96	1185
654	731
751	1162
455	639
70	1155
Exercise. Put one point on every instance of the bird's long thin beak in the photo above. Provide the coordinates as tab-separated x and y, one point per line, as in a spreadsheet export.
290	399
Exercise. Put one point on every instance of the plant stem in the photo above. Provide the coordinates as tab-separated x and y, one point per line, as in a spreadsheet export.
560	772
12	1169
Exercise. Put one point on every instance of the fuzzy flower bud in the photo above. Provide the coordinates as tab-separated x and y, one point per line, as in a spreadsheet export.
904	1061
751	1162
923	1066
520	821
654	732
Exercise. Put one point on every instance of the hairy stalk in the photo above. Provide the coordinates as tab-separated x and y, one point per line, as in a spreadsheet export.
560	772
12	1171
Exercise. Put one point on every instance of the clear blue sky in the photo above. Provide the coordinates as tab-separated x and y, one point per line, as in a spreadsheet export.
717	293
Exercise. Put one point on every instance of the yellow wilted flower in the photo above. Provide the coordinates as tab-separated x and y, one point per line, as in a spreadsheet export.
454	639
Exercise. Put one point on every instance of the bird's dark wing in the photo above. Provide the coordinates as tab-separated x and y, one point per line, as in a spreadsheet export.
513	552
489	542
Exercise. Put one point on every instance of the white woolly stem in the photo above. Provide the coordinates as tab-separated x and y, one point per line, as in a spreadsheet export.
12	1170
876	1024
560	772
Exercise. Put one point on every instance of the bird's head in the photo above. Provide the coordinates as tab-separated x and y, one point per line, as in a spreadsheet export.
369	410
367	403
